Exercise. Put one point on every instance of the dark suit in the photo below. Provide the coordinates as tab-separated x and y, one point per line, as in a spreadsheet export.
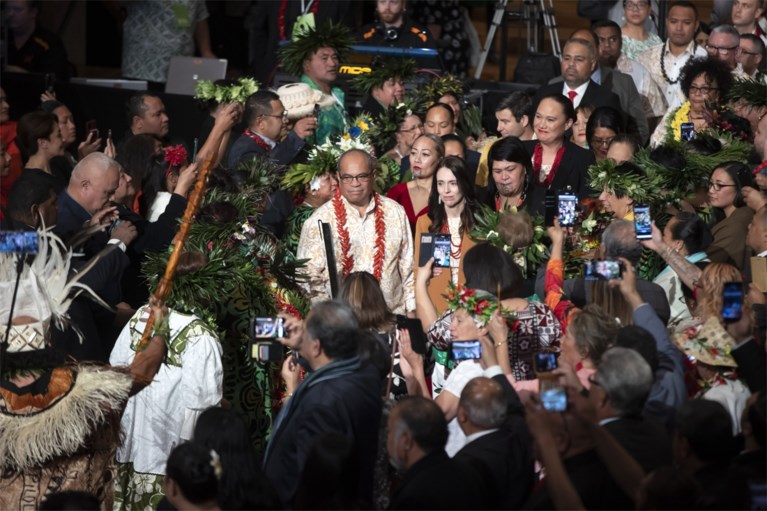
284	153
504	458
646	440
572	173
349	404
439	482
631	102
595	95
70	218
752	365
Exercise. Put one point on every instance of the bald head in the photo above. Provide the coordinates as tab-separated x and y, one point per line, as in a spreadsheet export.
94	181
482	404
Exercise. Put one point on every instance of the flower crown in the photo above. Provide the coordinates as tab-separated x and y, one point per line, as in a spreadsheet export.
639	188
384	69
441	85
237	92
328	35
385	126
481	305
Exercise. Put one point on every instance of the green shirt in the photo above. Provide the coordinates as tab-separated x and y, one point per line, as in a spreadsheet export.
332	121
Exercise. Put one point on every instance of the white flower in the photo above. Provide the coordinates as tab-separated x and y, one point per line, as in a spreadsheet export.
492	234
315	183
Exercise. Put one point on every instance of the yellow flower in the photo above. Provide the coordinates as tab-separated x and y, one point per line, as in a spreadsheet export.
681	116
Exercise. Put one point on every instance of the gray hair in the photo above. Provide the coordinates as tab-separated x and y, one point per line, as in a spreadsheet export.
334	324
439	144
584	42
95	162
619	240
627	378
484	403
727	29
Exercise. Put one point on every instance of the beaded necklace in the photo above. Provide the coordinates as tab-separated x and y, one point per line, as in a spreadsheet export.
663	64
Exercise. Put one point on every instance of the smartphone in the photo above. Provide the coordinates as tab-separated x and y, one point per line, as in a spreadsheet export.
598	269
732	301
92	127
50	81
642	221
267	328
566	205
465	350
19	242
687	131
550	204
267	351
545	362
417	335
554	399
441	251
316	113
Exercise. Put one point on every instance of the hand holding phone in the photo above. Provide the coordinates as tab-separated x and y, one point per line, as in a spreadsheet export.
642	221
465	350
566	210
732	301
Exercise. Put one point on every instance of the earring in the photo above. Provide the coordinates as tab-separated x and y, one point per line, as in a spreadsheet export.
439	199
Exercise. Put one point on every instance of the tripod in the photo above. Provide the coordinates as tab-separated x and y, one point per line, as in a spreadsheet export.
531	12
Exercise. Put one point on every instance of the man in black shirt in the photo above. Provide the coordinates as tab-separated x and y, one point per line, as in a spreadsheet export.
32	49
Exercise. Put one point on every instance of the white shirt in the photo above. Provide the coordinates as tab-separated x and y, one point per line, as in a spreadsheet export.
672	64
580	90
478	434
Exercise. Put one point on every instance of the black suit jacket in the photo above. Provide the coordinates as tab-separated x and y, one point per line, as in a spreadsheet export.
572	173
752	365
350	405
504	459
645	439
595	95
284	153
439	482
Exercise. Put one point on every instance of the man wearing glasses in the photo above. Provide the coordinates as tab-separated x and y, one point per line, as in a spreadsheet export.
266	118
751	55
665	61
370	233
724	45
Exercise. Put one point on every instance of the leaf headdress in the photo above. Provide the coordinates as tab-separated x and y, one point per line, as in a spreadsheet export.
383	70
328	35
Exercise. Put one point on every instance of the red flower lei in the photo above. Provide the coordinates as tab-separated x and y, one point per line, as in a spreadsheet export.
347	259
538	163
255	137
760	167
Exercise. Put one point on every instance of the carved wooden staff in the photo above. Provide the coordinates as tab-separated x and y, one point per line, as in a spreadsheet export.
166	282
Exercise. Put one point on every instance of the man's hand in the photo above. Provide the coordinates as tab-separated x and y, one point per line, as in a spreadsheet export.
47	95
186	179
228	115
125	231
91	144
305	127
294	330
290	373
104	217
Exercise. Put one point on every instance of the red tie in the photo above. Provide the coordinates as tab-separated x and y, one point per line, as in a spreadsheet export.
571	94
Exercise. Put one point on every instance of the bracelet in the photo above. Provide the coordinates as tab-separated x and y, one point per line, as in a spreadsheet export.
501	343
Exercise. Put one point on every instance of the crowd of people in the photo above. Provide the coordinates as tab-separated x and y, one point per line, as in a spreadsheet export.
563	310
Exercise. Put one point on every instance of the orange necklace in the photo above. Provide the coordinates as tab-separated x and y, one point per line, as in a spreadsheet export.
455	250
347	259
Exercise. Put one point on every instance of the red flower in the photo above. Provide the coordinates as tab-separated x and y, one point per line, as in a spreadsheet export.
210	245
175	155
515	326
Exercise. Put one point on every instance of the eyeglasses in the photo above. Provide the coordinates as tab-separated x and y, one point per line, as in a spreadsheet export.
283	115
721	50
635	6
705	90
717	186
750	52
600	142
360	178
411	130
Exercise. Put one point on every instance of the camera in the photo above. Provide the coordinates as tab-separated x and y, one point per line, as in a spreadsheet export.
267	328
465	350
266	351
262	347
598	269
545	362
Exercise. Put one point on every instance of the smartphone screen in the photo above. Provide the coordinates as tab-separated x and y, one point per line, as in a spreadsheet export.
566	209
545	362
687	131
732	301
466	350
598	269
642	221
19	242
554	400
268	328
441	251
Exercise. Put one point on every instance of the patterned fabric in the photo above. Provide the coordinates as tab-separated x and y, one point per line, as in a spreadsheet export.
653	101
397	275
673	65
633	47
137	491
155	31
163	415
554	280
538	329
453	45
294	224
333	120
672	285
